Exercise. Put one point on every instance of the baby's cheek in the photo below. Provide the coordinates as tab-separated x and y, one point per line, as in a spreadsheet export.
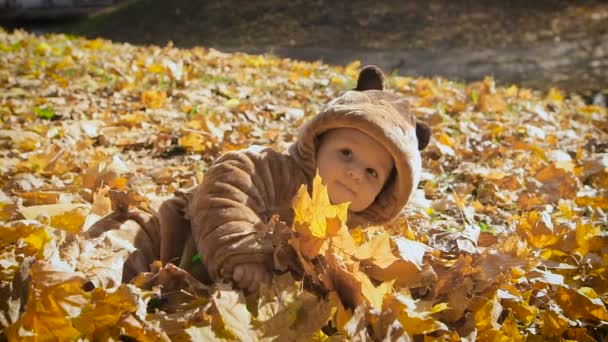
372	191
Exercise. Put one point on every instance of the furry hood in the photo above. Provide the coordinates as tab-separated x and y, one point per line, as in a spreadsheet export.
385	117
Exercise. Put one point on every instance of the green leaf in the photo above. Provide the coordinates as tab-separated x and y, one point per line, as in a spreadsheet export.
474	96
196	257
45	113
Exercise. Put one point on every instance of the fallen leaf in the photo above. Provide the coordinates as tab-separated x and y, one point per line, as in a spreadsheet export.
315	215
581	304
56	296
412	251
234	314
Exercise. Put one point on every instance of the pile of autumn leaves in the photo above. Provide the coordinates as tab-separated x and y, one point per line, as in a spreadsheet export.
505	240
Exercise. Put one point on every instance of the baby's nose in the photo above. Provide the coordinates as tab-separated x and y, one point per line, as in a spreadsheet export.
355	173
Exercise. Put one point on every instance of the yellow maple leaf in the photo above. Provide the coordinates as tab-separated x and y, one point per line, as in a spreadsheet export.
375	295
195	141
537	228
31	232
486	318
106	310
507	332
316	216
415	318
553	324
585	237
66	216
37	240
14	231
521	309
71	221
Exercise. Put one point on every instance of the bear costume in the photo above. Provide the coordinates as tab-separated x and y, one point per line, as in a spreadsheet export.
221	218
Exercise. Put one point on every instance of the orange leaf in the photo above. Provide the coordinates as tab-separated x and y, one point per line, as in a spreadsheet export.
558	183
153	98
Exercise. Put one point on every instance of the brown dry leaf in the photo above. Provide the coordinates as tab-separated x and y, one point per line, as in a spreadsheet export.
113	173
454	281
139	329
578	335
412	251
581	304
557	183
491	102
343	281
32	198
52	160
102	205
56	296
278	306
354	286
378	261
356	328
101	259
313	315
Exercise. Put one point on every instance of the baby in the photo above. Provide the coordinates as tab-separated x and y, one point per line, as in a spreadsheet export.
365	145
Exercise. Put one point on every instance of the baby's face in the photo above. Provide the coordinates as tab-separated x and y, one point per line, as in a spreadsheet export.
353	166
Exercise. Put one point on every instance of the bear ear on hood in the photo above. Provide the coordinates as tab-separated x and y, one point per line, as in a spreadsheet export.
370	77
423	133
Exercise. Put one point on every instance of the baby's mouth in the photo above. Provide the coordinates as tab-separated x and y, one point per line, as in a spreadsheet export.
348	189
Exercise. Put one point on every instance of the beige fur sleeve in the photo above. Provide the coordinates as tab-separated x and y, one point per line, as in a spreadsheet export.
229	210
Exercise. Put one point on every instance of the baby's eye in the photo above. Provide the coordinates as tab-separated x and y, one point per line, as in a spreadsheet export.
372	172
346	152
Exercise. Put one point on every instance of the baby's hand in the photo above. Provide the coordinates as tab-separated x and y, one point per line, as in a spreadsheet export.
250	276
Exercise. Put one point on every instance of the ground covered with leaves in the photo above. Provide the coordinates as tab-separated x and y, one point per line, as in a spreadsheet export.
506	238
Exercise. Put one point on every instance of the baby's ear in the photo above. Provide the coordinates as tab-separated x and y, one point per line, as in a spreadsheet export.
370	77
423	133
